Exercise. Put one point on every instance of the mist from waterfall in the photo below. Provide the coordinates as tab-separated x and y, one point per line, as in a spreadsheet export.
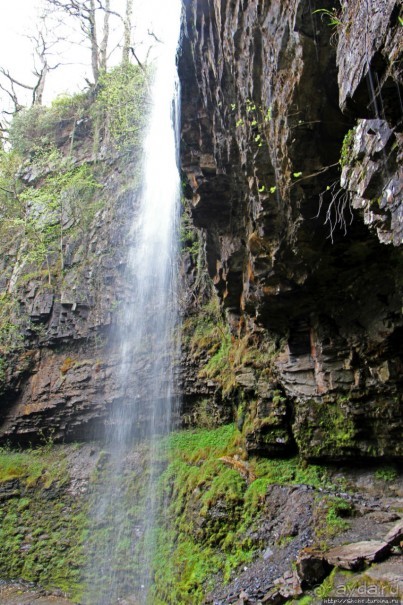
121	538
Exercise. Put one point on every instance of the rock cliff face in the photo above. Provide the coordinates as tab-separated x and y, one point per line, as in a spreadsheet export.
291	144
56	378
291	149
59	357
60	372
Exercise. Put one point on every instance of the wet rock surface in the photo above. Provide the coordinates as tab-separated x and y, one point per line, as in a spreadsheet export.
301	219
24	594
389	573
294	252
374	178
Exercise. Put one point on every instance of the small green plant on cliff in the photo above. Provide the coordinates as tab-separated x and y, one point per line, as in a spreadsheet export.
63	195
386	473
189	238
10	184
335	430
347	147
223	354
258	119
10	336
39	215
331	16
204	330
10	206
331	519
219	366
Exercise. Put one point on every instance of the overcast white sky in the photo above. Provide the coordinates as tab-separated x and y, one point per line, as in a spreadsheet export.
17	20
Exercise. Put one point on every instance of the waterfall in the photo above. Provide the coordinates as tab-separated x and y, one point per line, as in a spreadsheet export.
121	539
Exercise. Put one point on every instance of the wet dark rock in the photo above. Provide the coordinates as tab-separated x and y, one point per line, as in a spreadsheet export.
298	251
374	178
41	306
369	42
312	567
260	84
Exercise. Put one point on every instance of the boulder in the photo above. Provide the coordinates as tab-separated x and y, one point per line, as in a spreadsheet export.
357	554
312	567
388	574
395	536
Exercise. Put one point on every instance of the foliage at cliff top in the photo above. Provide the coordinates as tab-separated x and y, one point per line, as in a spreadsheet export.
121	106
113	114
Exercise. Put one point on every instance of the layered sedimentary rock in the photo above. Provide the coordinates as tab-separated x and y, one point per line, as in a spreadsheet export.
291	147
60	369
60	357
291	143
60	379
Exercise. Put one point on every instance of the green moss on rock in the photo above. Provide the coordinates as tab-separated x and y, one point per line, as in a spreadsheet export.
215	498
42	523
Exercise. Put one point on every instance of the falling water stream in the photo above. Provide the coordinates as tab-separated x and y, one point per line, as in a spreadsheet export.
121	542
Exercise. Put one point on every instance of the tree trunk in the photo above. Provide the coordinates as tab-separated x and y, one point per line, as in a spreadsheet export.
127	31
39	88
103	51
92	34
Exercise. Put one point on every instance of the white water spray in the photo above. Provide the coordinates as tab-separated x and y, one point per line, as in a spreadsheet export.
146	344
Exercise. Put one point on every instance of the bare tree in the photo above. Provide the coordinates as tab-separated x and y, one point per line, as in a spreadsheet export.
44	61
8	85
42	64
92	35
85	13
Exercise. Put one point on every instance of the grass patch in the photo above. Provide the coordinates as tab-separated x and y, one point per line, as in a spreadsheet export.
33	466
194	445
331	519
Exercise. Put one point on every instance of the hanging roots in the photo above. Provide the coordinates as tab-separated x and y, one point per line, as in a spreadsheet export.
339	213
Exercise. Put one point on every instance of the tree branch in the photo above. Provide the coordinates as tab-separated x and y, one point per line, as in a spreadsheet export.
13	80
138	60
7	190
